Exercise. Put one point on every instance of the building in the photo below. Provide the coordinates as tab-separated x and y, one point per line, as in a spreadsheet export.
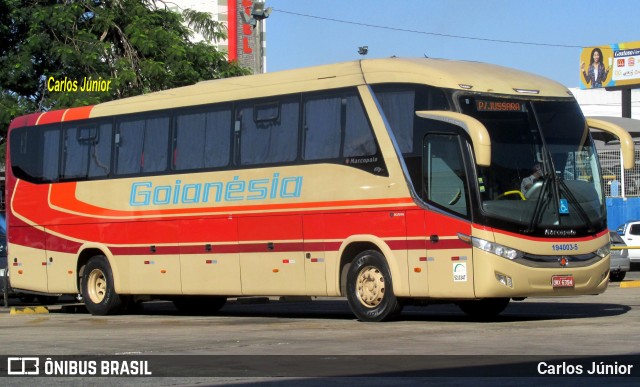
246	35
600	102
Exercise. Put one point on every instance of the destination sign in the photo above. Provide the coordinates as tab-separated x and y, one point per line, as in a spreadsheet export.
499	106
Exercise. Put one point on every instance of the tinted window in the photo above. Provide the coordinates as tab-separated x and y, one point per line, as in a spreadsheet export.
142	145
446	184
87	151
635	229
268	132
358	138
51	154
322	128
399	104
203	139
335	126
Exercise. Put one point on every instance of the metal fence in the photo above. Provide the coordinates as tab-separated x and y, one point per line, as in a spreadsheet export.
611	172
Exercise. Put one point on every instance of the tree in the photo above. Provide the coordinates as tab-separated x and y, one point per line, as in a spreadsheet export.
139	45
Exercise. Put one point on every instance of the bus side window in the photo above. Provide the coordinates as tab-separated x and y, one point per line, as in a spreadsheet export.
322	128
203	139
268	136
35	154
336	126
358	136
445	178
51	155
142	145
87	151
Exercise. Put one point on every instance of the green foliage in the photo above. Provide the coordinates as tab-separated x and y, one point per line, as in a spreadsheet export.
140	45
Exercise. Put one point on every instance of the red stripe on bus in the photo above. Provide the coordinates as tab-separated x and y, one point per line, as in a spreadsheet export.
78	113
51	117
214	249
27	120
145	250
278	247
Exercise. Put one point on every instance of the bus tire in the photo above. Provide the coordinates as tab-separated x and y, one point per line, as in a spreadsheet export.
617	276
370	290
98	292
199	305
485	309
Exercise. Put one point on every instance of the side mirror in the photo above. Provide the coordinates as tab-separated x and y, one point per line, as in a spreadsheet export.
477	131
626	142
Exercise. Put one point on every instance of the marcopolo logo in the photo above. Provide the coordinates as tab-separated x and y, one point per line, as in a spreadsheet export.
145	193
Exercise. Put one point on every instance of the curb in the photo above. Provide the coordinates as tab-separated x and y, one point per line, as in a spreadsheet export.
29	310
630	284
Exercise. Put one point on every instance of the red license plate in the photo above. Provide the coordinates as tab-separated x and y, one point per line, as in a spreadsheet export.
562	281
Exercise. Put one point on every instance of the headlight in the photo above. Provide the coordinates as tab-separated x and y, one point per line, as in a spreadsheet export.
492	247
604	251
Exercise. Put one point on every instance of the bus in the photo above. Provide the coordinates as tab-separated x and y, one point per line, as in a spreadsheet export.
386	181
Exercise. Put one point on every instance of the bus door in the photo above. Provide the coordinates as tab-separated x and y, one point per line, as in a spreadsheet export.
271	255
445	187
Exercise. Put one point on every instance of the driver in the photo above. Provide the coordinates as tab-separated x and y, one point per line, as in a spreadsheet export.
527	182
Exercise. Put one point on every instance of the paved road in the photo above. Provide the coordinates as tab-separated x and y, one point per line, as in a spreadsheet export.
603	328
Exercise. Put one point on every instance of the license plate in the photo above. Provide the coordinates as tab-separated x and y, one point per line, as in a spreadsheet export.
2	272
562	281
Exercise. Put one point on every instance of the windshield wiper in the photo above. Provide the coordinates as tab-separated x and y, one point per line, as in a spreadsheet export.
572	199
541	202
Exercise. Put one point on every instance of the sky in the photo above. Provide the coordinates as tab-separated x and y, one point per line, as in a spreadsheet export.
546	35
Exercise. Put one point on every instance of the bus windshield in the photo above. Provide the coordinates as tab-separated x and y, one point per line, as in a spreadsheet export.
544	177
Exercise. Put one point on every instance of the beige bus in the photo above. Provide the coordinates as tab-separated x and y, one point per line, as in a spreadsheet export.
386	181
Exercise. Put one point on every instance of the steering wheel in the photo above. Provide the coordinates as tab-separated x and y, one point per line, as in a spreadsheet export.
534	191
510	193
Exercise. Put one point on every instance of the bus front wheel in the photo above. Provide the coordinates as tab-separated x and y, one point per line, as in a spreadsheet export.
370	290
98	291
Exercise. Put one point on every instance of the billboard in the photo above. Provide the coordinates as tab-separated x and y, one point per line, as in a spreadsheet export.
246	41
611	66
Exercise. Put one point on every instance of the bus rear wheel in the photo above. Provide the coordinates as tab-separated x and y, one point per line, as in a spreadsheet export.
98	291
370	290
485	309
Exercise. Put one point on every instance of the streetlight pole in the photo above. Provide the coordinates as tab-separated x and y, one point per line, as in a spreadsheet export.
258	14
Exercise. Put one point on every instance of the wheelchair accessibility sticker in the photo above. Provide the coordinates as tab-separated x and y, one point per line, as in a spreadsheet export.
564	207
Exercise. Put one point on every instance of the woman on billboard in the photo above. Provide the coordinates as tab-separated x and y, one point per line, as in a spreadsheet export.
596	74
